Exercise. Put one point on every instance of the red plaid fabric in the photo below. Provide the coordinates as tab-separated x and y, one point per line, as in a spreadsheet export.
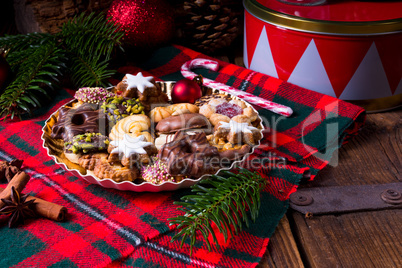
107	227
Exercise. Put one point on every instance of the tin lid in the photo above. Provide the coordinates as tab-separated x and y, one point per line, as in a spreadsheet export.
332	17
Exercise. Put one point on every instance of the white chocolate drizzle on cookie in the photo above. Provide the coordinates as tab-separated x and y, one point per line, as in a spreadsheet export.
129	146
139	81
237	127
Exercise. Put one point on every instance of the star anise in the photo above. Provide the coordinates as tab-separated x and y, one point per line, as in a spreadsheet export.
18	208
9	169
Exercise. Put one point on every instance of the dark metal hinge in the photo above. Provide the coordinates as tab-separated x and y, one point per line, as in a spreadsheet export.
340	199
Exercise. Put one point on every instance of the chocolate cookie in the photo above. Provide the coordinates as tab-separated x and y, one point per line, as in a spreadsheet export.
72	122
190	155
183	122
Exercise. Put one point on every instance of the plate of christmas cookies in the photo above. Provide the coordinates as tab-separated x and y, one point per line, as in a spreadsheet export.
142	135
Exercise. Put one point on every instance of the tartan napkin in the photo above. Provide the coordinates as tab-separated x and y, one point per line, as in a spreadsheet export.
107	227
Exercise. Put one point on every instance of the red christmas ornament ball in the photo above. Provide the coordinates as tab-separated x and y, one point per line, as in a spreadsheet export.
147	23
186	91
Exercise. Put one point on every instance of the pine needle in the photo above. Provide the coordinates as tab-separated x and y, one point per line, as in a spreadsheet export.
33	76
90	41
83	47
228	201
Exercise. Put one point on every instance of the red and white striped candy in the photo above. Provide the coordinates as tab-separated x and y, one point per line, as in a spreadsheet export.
250	98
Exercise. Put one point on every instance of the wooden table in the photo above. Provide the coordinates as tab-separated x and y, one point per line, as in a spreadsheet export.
360	239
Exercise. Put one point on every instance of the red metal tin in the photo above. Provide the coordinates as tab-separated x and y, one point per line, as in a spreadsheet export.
347	49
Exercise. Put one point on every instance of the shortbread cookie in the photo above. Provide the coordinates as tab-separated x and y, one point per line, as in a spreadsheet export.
134	125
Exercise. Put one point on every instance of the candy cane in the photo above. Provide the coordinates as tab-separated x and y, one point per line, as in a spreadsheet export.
214	66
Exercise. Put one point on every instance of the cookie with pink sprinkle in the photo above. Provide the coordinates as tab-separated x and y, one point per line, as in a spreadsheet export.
93	95
157	173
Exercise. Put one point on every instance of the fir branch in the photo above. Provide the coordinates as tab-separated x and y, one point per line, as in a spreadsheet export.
227	201
20	47
90	40
22	41
91	35
84	46
90	72
39	71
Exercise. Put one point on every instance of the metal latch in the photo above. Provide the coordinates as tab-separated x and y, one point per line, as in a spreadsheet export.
340	199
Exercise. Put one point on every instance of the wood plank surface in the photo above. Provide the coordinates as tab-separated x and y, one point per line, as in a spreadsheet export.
282	249
362	239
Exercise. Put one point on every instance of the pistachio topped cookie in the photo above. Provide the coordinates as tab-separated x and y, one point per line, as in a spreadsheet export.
84	144
117	108
88	142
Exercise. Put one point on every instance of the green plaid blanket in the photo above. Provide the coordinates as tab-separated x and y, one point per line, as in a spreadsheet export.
107	227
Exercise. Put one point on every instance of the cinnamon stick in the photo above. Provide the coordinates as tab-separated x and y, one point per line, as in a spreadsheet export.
18	181
45	208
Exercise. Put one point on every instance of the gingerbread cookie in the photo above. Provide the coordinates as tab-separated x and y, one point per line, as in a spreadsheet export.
142	87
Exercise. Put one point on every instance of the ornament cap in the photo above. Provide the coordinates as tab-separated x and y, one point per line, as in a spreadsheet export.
199	80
